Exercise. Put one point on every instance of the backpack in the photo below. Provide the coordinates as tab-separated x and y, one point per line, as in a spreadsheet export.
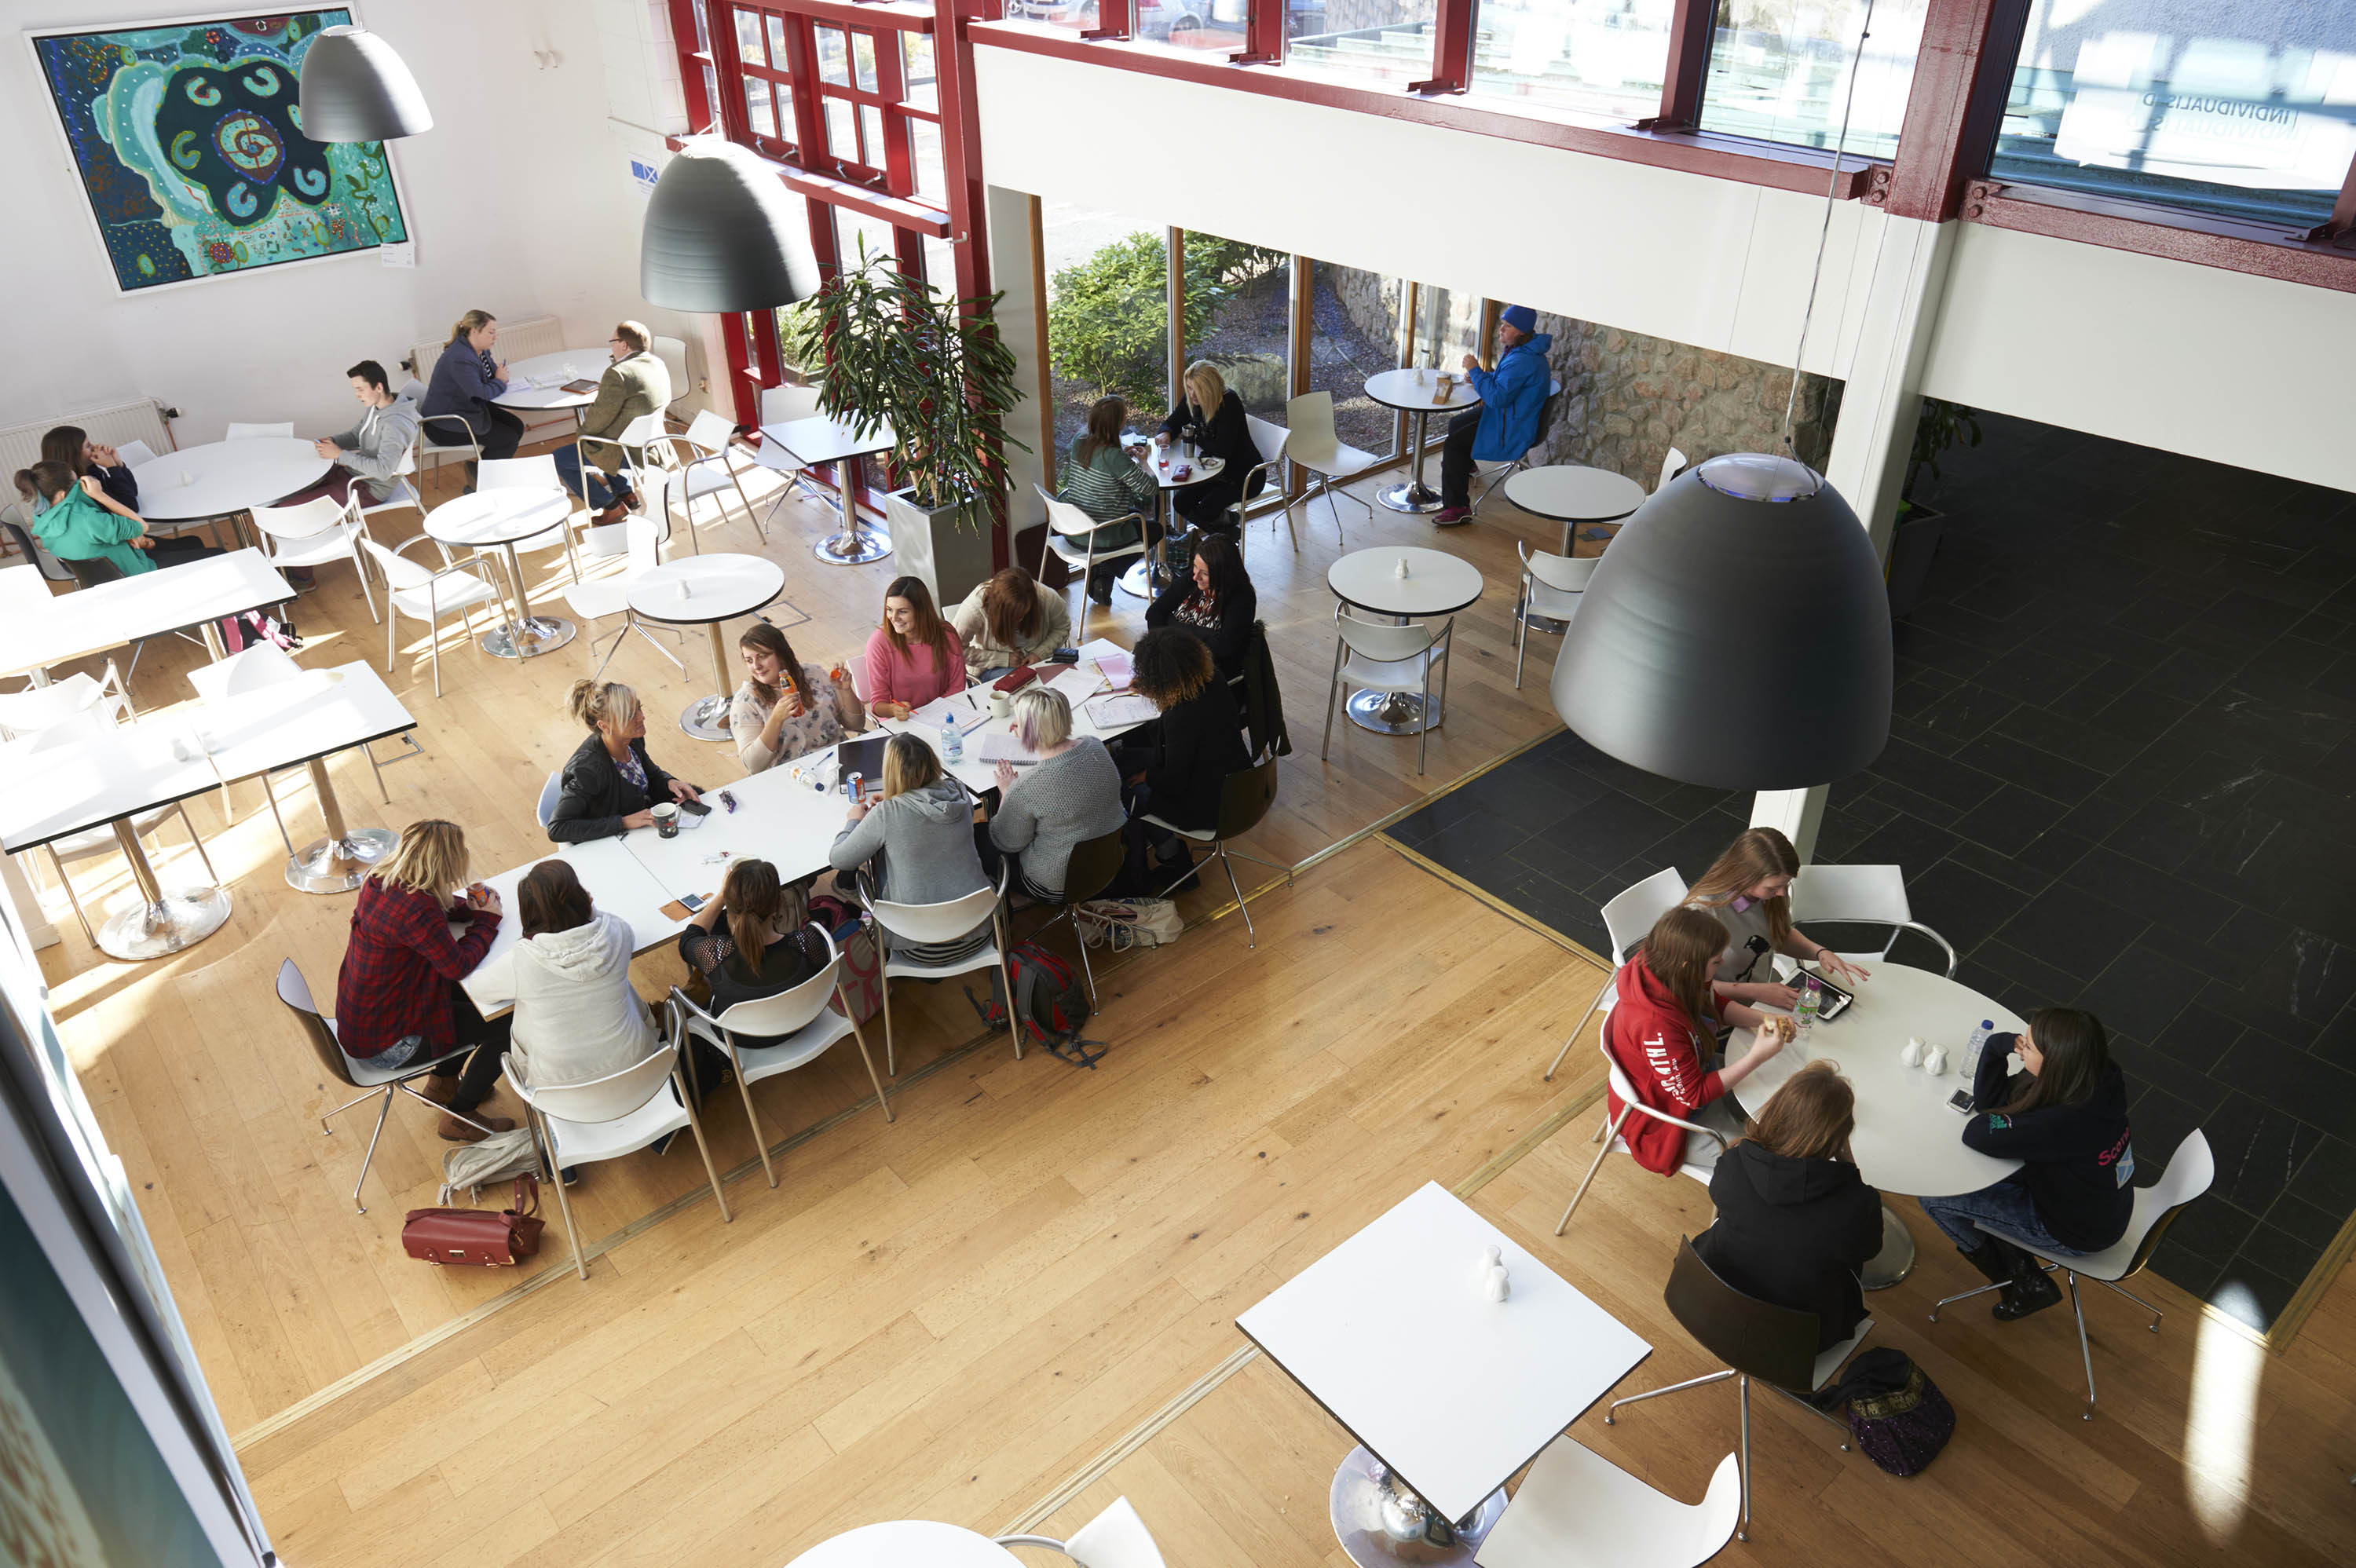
477	1165
1049	1000
253	627
1897	1415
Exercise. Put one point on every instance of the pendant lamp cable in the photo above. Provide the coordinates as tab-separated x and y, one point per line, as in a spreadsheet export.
1832	195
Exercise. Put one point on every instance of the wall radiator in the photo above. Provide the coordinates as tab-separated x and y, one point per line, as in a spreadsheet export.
143	419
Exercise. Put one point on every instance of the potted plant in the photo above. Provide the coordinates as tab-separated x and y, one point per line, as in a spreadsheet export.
1915	539
936	371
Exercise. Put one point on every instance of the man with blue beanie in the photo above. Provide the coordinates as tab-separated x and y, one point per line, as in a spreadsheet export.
1506	422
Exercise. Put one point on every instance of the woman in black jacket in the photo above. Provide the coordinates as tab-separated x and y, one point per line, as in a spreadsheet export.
2065	1118
610	785
1795	1221
1213	417
1217	603
1177	765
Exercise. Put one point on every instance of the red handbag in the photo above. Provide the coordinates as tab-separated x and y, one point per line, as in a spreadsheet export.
476	1236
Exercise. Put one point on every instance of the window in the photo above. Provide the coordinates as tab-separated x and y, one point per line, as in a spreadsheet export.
1216	25
1385	40
1598	57
1780	71
1238	314
1108	316
1354	333
1077	15
2206	105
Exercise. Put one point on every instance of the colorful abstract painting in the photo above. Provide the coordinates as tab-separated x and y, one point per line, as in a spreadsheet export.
188	141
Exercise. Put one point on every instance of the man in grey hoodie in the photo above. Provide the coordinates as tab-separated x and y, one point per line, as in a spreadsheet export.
372	453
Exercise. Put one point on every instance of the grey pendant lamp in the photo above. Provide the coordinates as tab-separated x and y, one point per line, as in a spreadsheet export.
1736	633
718	232
355	89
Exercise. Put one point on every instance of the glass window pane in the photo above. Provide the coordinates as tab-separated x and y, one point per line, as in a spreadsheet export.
1238	316
1190	23
842	131
1389	40
940	267
702	29
777	55
786	130
1598	57
1108	316
756	107
1779	70
712	91
2205	105
834	61
925	154
920	86
1077	15
1354	332
855	229
1447	327
862	58
871	130
748	38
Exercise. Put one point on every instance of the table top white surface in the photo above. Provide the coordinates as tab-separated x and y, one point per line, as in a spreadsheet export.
319	712
820	439
1437	583
552	370
1401	390
67	626
485	518
1573	493
615	883
131	768
1907	1140
975	723
224	477
1392	1333
907	1543
718	588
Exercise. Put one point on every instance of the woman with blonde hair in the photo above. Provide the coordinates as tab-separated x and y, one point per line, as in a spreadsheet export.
458	410
1071	794
1010	620
913	655
1747	888
1795	1221
398	997
1212	416
787	708
610	785
921	832
1110	487
1663	1034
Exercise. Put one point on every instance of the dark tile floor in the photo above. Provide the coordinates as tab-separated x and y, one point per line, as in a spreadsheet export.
2117	778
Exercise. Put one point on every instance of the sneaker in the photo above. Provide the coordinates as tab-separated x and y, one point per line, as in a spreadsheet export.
569	1176
1450	516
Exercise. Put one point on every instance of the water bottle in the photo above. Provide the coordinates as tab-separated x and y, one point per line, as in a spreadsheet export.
1811	1002
953	743
1976	1047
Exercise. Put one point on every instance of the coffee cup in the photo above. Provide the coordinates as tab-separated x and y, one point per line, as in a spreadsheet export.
666	820
1000	705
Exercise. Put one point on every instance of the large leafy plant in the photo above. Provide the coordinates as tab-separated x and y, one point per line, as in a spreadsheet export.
932	367
1109	321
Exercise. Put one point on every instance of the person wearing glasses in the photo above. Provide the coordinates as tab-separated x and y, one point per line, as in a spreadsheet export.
635	384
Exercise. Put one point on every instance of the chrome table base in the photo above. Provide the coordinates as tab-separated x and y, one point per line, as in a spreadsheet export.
1381	1524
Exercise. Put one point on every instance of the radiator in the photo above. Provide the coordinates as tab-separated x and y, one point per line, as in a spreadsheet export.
143	420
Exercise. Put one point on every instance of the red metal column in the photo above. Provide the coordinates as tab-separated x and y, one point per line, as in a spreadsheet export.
1451	47
961	169
1688	66
1263	35
1963	71
1112	20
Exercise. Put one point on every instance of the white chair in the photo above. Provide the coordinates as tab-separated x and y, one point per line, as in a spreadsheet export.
464	449
1552	586
1245	797
1629	914
701	466
943	922
313	533
1269	440
254	432
782	405
426	595
609	594
537	472
27	713
93	843
1313	444
550	794
1578	1509
1066	522
672	352
1493	472
1610	1132
1372	656
856	667
1863	895
1116	1538
1671	466
798	1025
605	1118
2190	1171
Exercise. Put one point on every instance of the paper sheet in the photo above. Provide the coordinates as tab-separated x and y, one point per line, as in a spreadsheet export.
1116	670
1112	712
1077	684
1002	747
937	712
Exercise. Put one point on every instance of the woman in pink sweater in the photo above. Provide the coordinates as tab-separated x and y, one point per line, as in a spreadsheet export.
914	655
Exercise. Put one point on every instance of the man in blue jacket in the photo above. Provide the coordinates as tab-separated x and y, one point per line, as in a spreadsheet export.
1506	422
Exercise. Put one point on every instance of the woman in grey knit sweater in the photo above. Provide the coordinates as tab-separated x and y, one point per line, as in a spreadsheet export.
923	832
1071	794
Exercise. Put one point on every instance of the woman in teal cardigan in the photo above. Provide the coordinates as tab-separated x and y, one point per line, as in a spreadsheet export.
82	522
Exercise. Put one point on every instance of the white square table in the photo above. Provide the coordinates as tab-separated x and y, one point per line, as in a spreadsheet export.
71	625
822	439
1447	1391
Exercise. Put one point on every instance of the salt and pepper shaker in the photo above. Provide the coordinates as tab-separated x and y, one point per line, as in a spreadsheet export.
1936	1061
1400	570
1494	1281
1912	1053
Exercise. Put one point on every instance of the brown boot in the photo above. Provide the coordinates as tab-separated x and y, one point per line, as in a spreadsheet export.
455	1131
439	1087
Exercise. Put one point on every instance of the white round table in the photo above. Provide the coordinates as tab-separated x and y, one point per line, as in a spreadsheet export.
223	477
1907	1139
549	372
907	1543
706	590
1572	494
499	519
1401	390
1149	575
1436	584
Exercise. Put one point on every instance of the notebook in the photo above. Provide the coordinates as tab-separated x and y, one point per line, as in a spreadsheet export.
1114	711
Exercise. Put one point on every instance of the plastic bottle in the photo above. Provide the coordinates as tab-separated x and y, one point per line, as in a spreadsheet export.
1810	1003
953	743
1976	1047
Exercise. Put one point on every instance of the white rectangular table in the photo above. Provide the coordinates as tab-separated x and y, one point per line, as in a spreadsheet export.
821	438
92	620
616	883
974	704
1448	1391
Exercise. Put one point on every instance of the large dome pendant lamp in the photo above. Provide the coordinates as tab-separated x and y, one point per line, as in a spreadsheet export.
354	88
715	239
1736	633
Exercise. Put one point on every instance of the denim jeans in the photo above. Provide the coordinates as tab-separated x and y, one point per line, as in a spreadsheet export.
601	492
2007	1207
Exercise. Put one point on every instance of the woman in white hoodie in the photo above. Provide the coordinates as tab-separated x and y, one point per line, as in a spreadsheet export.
577	1017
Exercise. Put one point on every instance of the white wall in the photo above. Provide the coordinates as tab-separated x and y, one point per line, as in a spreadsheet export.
519	200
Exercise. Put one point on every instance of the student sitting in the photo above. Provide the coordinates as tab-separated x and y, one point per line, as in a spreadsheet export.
767	944
372	453
1179	764
1110	487
787	708
1071	794
1747	888
459	391
610	784
1008	621
71	445
1795	1222
2065	1116
1217	603
913	656
922	831
1213	418
81	522
577	1017
1663	1032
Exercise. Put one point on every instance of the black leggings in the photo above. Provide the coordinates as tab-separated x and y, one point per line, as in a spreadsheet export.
502	434
1456	458
490	1038
180	549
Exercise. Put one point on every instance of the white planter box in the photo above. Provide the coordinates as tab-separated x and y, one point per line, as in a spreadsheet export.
948	555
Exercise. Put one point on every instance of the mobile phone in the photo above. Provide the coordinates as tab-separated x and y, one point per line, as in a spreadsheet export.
695	808
1960	1102
691	902
728	800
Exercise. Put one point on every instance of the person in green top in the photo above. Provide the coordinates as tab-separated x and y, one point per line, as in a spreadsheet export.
1110	487
82	522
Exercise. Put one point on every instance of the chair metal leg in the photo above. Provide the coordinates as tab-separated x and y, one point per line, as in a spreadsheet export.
549	1156
1743	1534
1521	630
695	1125
866	1056
884	984
201	853
327	1132
1333	695
1702	1382
1251	937
369	752
71	897
1089	972
640	627
2085	1351
2115	1286
1575	1033
1946	1301
1613	1132
1006	979
752	1117
381	1111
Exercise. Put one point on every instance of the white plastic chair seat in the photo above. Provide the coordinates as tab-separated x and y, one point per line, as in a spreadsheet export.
982	957
1553	585
576	1143
249	670
314	550
1862	895
598	596
1116	1538
706	478
30	712
134	452
806	1045
1388	675
550	794
2190	1171
1578	1509
1199	834
950	920
461	590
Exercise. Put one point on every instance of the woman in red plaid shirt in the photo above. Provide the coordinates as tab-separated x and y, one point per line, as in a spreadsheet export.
398	999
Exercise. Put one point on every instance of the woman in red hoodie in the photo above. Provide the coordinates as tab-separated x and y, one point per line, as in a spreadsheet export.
1663	1032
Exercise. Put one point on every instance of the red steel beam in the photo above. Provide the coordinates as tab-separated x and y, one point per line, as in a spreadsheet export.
967	198
2232	244
1689	66
1451	47
1263	35
1963	70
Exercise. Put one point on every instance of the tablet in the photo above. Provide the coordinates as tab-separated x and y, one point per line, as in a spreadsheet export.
1837	998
